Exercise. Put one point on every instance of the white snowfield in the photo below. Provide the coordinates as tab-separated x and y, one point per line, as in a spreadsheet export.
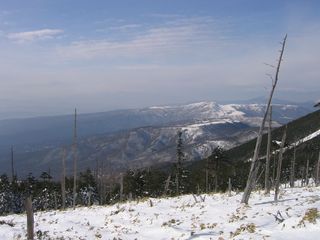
219	216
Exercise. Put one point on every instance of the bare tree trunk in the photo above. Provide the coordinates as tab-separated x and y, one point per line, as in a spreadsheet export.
121	187
292	168
177	184
229	187
30	218
55	201
12	165
274	169
307	172
277	185
207	180
198	189
317	170
260	175
103	190
75	160
302	171
130	196
166	187
101	184
63	179
267	173
216	182
252	176
96	172
89	198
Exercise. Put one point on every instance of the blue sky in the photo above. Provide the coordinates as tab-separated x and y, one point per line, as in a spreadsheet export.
102	55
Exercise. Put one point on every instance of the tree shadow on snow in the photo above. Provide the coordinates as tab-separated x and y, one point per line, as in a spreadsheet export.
196	235
284	200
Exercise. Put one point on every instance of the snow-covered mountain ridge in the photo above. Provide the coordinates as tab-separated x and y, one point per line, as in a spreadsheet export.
209	110
134	138
295	216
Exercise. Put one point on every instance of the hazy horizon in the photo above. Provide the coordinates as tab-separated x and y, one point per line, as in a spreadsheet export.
22	115
107	55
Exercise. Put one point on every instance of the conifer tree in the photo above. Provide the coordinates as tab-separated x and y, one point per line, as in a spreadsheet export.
214	168
181	174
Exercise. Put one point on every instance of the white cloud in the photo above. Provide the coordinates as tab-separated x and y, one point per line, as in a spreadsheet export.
125	27
34	35
171	37
201	56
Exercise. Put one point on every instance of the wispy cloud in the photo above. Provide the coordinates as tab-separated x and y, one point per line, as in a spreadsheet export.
125	27
34	35
170	37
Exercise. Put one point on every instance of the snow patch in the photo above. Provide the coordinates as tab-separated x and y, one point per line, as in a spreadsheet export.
213	216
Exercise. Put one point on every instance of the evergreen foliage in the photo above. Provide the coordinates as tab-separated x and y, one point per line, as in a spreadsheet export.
139	183
181	174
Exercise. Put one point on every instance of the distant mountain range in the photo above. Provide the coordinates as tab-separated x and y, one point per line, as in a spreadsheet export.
124	139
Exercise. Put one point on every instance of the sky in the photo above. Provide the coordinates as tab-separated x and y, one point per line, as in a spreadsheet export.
104	55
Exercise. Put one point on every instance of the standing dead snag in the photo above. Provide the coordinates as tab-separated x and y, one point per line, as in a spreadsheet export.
317	170
12	166
307	173
63	179
75	159
229	187
292	168
279	165
167	183
267	172
318	162
121	187
207	175
30	218
254	165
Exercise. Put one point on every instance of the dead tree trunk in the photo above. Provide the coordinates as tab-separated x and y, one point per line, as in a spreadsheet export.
12	166
207	175
55	200
102	183
121	187
277	185
177	184
252	176
260	175
274	169
30	218
198	189
75	160
63	179
130	196
317	170
292	168
267	172
96	172
166	187
307	172
216	182
229	187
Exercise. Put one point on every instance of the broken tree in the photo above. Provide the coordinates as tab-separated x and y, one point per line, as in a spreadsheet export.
277	184
254	164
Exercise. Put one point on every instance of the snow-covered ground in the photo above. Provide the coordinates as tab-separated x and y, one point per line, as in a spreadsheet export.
217	217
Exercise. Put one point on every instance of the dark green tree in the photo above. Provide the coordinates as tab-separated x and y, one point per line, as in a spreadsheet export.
216	168
181	173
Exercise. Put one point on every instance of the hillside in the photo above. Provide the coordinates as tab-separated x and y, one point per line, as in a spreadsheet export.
33	133
133	138
297	129
304	132
295	216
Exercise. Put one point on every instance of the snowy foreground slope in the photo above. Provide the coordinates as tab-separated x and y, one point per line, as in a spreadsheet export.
218	217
